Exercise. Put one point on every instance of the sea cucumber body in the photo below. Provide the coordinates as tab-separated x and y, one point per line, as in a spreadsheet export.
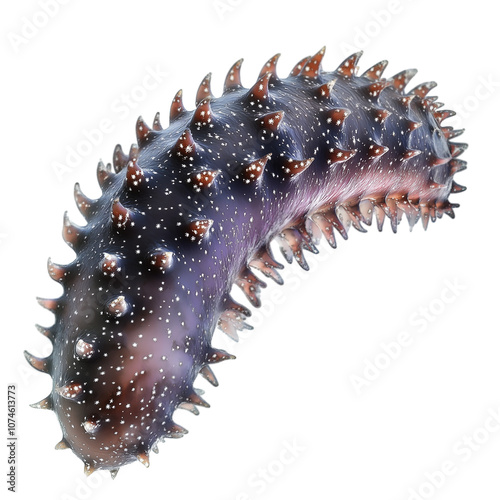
190	211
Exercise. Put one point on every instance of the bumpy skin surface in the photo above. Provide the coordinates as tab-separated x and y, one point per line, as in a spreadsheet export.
194	206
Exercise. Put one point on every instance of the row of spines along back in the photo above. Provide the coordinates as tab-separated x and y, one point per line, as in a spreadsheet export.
268	123
327	218
293	239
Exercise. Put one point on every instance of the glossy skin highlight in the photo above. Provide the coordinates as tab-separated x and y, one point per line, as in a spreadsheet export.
192	209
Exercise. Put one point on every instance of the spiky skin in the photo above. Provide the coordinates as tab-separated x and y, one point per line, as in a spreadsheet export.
187	213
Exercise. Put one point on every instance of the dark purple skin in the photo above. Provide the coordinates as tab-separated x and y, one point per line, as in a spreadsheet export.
149	284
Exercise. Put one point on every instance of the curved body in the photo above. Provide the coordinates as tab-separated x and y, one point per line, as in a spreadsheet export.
191	210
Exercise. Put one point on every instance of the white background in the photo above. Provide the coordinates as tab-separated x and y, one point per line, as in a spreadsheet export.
292	381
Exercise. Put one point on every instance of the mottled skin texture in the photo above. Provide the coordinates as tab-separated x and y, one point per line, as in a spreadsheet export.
149	284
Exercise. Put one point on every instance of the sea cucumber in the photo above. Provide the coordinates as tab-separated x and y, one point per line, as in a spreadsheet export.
191	210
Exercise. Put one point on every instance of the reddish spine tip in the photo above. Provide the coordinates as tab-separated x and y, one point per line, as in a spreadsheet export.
121	217
349	65
120	159
185	147
203	179
204	89
202	115
157	123
233	78
144	132
312	68
270	66
161	259
135	176
298	67
197	229
376	71
177	108
254	170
